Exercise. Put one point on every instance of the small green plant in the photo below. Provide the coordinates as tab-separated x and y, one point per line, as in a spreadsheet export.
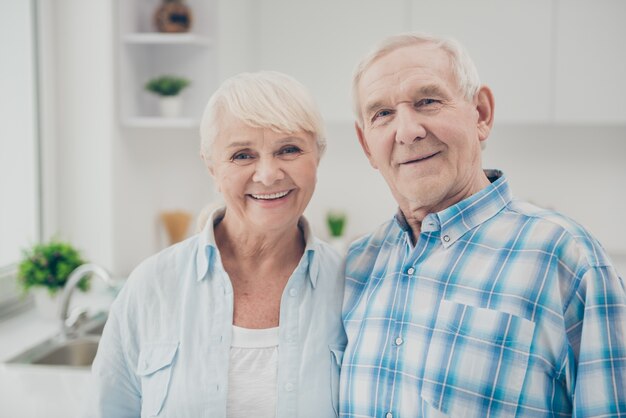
49	265
336	222
167	85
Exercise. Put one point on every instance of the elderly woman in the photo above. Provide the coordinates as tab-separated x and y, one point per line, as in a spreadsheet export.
243	319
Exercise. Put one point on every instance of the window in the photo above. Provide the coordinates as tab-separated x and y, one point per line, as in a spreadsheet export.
19	162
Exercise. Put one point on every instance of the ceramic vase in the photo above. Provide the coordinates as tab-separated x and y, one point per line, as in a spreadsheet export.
47	305
170	106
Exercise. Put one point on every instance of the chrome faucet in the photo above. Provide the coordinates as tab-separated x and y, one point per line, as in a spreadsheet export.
72	281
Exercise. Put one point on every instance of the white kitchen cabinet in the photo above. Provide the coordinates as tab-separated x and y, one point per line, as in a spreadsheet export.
591	62
145	53
510	43
319	43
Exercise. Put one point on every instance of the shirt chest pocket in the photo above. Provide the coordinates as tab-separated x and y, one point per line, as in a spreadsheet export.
476	361
155	369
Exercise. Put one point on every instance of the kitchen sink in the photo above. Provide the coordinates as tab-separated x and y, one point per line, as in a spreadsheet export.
77	351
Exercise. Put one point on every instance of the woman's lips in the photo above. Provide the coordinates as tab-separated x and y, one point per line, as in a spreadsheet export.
269	196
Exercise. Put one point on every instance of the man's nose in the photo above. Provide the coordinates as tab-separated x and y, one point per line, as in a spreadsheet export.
409	125
268	171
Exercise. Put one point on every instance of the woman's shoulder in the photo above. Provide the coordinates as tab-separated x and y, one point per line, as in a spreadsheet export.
166	268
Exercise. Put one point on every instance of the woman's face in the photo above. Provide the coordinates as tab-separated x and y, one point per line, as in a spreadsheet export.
267	178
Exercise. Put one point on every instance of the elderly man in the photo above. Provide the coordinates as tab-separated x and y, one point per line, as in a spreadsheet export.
469	302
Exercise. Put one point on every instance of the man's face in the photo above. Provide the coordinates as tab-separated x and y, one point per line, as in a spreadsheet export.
420	131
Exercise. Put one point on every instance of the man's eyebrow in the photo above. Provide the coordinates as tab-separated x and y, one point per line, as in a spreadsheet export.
373	106
427	90
431	90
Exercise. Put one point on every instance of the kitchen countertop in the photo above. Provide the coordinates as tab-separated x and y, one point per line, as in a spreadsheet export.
32	392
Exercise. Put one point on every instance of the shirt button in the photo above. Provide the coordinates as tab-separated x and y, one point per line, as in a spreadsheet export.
446	238
293	292
399	341
411	270
289	387
388	415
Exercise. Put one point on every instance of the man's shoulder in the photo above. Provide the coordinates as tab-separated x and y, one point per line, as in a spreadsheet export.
374	240
570	234
365	251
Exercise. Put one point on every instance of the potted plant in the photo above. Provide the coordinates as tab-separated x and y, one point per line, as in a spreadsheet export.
336	221
44	270
168	88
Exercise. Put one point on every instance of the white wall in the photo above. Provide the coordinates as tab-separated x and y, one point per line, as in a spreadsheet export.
85	125
579	171
18	135
114	181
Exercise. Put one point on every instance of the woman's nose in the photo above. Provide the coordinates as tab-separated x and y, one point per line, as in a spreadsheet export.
409	126
268	171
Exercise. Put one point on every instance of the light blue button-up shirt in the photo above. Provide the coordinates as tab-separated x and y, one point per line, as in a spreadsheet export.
165	348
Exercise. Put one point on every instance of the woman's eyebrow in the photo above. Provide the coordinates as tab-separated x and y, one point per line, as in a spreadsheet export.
238	144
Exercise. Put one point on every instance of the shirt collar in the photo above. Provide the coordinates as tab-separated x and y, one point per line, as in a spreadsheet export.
456	220
208	254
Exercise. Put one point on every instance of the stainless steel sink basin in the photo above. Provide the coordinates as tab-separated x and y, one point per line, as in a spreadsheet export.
95	329
78	351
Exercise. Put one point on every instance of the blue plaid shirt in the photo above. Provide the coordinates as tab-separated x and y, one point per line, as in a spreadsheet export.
501	309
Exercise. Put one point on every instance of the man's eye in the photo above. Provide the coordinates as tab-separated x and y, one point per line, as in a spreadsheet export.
381	114
426	102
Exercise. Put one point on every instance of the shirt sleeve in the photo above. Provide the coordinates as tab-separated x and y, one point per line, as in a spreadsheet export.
596	327
116	389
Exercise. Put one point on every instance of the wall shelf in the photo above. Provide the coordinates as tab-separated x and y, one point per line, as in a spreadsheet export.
144	53
157	122
166	39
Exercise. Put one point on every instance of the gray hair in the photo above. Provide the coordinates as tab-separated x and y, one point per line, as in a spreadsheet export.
265	99
462	65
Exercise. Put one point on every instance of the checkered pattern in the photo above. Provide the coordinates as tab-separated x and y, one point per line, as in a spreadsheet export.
501	309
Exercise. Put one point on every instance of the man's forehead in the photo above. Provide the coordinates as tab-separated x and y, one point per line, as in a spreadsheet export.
416	67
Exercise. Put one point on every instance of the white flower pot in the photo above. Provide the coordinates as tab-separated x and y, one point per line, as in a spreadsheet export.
170	106
47	305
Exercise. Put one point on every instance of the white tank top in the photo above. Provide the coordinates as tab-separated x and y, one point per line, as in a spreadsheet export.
252	373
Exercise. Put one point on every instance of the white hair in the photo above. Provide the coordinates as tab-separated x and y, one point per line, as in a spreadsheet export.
462	65
265	99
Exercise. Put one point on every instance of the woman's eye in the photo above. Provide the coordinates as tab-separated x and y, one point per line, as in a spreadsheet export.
242	158
290	151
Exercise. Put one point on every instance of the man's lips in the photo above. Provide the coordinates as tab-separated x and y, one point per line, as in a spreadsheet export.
419	158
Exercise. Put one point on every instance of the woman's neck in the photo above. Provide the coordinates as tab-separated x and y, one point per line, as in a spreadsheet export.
251	246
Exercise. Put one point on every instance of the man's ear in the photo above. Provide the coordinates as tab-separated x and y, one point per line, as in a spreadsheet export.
363	142
485	106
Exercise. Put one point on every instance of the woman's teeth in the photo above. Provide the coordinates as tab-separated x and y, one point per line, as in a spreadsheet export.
270	196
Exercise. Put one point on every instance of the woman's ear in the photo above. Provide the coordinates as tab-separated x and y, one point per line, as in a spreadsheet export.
485	106
207	163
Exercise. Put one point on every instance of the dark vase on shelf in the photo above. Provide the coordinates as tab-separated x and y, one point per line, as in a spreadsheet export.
173	16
